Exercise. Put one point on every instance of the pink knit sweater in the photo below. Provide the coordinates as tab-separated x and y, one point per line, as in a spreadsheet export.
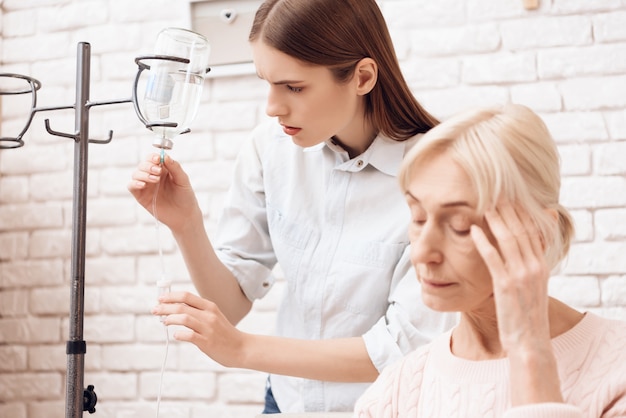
431	382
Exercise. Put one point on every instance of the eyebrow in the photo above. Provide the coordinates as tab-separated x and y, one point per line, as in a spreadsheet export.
281	82
451	204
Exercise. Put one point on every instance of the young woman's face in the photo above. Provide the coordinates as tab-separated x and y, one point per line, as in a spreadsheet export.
452	273
309	103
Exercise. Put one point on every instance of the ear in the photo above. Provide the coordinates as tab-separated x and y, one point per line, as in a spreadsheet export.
366	75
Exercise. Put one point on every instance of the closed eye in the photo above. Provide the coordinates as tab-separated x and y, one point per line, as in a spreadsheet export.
461	233
417	225
460	225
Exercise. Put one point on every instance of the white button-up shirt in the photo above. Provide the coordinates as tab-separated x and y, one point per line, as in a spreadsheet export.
338	227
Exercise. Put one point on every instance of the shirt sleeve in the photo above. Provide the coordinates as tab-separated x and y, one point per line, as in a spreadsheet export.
408	323
243	242
544	410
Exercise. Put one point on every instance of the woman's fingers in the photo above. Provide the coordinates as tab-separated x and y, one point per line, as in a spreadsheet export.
508	233
489	253
172	299
204	325
514	258
517	236
147	172
534	235
187	310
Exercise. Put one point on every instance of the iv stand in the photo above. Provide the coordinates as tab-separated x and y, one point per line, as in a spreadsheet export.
78	399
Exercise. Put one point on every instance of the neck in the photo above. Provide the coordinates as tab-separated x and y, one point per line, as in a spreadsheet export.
476	336
357	138
353	151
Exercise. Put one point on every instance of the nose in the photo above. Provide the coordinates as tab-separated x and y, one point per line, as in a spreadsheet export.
275	106
427	245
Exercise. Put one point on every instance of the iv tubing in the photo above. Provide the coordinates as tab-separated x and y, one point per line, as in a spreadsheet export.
162	284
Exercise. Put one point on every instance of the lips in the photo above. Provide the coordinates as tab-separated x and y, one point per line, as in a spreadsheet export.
290	130
435	283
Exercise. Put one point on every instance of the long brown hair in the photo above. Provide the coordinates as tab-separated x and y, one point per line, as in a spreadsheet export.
338	34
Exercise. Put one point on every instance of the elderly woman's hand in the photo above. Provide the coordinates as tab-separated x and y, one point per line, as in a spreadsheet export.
519	274
515	259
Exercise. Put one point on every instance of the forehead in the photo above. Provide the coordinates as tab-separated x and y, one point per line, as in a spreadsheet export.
276	66
439	181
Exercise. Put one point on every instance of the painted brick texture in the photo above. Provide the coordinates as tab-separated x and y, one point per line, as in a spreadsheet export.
566	60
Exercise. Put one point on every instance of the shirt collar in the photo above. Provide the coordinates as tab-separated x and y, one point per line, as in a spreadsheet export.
384	154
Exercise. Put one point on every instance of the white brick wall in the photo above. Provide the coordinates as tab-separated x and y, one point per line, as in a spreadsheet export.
567	60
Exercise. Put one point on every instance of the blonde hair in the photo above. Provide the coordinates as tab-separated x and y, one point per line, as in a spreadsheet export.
507	152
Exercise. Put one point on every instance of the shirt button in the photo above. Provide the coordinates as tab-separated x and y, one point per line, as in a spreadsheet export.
359	163
266	284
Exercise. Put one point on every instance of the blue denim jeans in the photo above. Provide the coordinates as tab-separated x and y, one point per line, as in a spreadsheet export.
270	403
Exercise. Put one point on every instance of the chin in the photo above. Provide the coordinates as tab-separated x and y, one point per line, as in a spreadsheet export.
303	142
438	304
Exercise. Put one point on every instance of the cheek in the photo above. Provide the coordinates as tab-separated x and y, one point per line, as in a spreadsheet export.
338	102
480	274
463	246
414	245
465	243
468	259
325	114
412	252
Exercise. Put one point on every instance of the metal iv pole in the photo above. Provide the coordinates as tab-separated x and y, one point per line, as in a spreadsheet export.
78	398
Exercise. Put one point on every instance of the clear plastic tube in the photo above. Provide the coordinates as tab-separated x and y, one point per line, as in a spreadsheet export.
163	286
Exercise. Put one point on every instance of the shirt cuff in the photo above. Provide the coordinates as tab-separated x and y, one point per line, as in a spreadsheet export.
380	345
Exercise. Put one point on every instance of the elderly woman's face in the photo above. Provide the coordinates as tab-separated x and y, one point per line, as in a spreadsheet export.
452	273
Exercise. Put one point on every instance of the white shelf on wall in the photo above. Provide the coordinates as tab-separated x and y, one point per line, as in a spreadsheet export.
226	24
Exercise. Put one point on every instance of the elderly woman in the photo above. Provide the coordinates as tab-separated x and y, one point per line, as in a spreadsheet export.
486	230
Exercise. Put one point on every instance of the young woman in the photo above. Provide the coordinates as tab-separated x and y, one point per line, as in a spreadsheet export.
314	191
487	229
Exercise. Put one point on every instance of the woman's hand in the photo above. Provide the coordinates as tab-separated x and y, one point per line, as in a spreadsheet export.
176	201
205	326
338	359
516	262
519	274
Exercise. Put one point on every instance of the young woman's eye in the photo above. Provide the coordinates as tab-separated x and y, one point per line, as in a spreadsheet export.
415	228
418	222
294	89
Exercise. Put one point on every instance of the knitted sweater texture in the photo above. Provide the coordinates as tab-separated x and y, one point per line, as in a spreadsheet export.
432	383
